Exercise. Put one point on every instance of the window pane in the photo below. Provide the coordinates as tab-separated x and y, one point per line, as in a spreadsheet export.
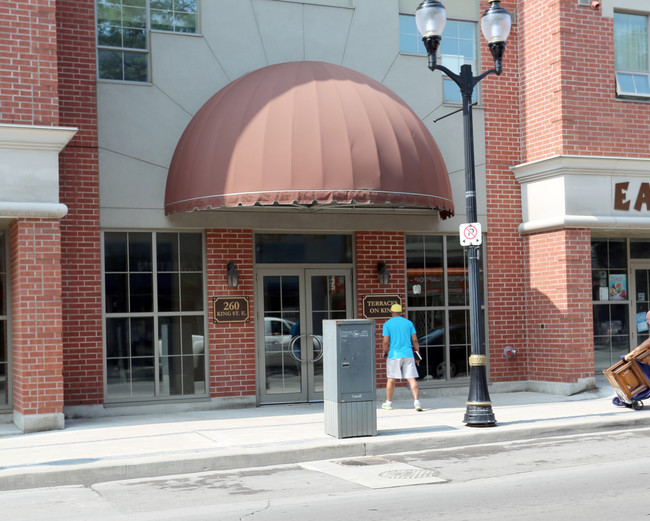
135	66
115	251
457	275
191	252
642	84
162	20
617	253
162	4
640	248
109	64
185	6
3	289
116	289
141	292
295	248
599	253
191	291
142	336
459	343
4	393
140	252
109	35
142	381
118	381
135	17
631	42
135	39
168	292
167	251
117	338
170	336
108	13
410	40
185	23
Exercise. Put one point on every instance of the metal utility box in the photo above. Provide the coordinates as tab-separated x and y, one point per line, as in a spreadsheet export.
349	387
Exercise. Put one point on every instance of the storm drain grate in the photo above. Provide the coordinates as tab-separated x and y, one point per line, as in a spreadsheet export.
408	474
363	462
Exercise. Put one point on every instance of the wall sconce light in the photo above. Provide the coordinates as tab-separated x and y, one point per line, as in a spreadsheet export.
383	274
232	274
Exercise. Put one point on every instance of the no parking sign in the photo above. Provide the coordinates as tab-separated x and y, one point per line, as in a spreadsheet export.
470	234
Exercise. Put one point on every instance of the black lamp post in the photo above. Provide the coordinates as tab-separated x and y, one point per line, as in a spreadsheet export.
431	18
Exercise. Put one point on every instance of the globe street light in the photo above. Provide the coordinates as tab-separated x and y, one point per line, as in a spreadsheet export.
431	18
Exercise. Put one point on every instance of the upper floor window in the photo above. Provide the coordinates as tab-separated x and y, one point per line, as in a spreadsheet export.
122	39
631	54
458	47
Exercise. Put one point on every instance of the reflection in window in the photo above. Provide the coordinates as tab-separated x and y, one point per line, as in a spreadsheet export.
457	47
303	248
631	55
610	289
438	304
154	324
122	33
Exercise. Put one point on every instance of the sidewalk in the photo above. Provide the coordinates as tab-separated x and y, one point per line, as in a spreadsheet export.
103	449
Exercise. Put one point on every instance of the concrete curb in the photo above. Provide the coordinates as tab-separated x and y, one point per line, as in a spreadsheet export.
120	468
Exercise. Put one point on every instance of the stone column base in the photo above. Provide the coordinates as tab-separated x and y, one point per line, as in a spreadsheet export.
39	422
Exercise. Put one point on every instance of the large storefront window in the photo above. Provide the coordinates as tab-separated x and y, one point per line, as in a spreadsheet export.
620	274
155	319
5	372
438	305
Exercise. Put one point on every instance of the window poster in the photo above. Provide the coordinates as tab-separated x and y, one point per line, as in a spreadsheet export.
617	287
641	323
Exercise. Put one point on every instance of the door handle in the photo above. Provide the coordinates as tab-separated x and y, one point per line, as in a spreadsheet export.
316	340
291	352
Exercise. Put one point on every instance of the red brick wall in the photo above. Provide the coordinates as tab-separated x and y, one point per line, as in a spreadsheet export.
79	190
232	346
371	248
28	63
556	96
560	299
505	247
568	85
36	316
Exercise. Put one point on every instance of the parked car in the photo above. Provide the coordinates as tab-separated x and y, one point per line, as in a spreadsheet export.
432	347
281	337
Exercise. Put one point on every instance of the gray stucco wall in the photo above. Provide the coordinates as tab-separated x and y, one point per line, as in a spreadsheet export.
140	124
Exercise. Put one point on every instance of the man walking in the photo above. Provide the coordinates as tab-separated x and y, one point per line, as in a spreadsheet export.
399	343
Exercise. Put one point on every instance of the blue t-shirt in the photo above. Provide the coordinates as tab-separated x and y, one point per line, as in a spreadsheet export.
399	330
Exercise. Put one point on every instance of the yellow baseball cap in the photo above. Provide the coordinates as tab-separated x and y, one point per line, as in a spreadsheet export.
396	308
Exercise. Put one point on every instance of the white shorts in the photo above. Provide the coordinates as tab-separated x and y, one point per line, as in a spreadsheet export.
401	368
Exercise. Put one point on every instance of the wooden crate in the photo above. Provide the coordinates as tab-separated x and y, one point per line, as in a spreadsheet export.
642	353
627	379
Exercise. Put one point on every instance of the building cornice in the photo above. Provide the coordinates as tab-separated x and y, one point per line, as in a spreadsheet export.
31	137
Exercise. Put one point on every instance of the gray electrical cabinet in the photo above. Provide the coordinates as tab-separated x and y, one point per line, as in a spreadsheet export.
349	388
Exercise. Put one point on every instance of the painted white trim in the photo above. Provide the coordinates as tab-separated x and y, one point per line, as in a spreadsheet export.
584	221
556	172
33	210
549	168
628	5
33	137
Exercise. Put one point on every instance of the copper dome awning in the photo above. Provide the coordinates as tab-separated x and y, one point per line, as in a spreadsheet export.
306	133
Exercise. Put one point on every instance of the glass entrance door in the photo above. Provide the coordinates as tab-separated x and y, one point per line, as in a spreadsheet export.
294	303
640	294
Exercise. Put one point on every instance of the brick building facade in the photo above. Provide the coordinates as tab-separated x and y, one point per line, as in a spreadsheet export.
108	301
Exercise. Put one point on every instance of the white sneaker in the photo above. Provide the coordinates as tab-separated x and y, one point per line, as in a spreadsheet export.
417	405
387	405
